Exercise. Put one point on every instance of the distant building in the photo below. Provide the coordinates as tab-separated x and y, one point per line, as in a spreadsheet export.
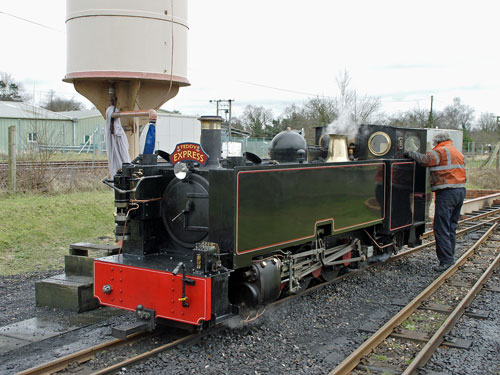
80	131
83	131
90	129
171	128
37	127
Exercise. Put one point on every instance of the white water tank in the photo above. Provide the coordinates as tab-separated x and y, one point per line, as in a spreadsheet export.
136	50
141	46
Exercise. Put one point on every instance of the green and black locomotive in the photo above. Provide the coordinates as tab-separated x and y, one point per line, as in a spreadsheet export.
203	237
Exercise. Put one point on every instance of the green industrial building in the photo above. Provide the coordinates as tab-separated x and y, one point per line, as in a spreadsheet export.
83	131
40	128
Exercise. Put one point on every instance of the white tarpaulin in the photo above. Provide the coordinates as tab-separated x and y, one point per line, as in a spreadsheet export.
116	143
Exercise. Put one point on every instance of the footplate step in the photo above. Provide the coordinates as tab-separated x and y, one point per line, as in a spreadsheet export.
121	332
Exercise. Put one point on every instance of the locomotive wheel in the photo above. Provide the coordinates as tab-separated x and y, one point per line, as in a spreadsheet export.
328	273
304	283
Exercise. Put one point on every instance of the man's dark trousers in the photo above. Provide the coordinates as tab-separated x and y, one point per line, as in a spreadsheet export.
446	216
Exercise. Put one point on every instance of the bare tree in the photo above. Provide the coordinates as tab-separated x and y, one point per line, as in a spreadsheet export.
347	96
39	141
487	122
57	104
257	120
412	118
321	111
362	108
236	123
366	108
296	117
457	116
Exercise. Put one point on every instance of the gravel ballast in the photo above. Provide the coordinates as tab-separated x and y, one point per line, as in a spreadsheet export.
17	296
309	335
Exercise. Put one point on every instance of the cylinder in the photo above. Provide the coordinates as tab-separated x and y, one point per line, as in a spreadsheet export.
211	139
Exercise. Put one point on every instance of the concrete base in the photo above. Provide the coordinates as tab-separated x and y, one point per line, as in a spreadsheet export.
73	290
74	293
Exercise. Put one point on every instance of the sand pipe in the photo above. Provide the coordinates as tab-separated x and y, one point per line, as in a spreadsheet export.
150	113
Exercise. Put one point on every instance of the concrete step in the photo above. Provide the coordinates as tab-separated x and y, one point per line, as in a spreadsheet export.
83	249
68	292
81	255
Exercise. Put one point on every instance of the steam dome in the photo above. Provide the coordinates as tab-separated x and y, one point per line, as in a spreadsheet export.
285	146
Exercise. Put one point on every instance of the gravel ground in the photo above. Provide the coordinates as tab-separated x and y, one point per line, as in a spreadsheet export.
484	355
17	296
17	303
309	335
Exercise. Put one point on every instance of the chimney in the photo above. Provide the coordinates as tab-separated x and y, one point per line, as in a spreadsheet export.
211	139
337	149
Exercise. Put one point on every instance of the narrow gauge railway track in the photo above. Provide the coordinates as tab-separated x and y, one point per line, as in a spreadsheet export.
80	356
429	318
87	164
90	353
75	362
485	207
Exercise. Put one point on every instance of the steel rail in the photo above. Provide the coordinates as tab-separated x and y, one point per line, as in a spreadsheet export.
170	345
350	363
58	166
475	217
129	361
459	233
162	348
435	341
475	204
87	354
56	163
378	264
80	356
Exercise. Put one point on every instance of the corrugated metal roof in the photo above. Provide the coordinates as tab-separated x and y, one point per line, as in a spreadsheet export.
89	113
85	113
23	110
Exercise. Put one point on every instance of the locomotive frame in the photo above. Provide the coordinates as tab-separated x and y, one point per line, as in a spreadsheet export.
196	250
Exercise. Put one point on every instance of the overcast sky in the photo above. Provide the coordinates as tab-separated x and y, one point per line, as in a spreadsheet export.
278	52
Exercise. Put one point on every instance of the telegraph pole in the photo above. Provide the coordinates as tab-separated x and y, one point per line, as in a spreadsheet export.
229	121
12	159
227	102
431	119
216	101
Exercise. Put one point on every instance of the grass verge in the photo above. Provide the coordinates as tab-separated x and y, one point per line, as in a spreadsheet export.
36	230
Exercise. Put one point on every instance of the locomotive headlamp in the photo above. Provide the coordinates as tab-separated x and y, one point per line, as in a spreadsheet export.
181	170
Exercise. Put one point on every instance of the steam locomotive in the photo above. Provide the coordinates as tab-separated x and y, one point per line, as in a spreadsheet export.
203	236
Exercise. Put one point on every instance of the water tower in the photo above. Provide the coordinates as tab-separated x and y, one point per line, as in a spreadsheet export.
134	51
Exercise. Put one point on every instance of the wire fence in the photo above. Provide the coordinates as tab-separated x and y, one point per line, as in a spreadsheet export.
478	148
257	146
482	155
